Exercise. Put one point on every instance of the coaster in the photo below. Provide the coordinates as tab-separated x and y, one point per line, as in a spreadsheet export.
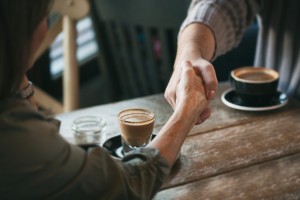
231	99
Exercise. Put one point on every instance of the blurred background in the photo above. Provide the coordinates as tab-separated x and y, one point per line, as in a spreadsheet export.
126	49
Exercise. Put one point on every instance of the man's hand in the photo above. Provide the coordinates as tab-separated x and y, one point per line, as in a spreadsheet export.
196	44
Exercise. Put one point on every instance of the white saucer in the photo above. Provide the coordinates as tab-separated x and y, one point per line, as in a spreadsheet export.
232	100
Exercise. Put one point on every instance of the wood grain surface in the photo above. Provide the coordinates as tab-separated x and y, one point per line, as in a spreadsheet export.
224	150
275	179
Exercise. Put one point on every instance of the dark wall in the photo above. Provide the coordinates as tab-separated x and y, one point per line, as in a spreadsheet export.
243	55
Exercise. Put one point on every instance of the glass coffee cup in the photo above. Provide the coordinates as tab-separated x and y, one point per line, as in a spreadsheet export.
136	126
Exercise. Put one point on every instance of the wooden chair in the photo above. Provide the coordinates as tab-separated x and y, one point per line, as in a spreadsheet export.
70	11
137	41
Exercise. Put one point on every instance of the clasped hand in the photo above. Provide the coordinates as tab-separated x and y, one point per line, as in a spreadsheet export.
190	94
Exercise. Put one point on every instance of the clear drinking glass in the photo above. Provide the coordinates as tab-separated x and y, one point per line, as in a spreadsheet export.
136	126
88	129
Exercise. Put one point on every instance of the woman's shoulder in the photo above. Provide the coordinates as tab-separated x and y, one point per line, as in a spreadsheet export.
24	129
16	108
21	116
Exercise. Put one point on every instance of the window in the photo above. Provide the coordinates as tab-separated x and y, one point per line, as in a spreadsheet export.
86	47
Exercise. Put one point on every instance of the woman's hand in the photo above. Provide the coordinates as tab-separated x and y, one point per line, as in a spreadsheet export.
191	98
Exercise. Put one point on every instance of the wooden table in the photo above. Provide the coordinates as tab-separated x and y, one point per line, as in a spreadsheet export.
233	155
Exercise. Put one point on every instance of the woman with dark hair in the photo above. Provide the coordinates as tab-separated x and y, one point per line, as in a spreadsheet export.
18	22
37	163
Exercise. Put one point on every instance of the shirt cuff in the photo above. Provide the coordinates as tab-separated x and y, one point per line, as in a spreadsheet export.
147	164
151	155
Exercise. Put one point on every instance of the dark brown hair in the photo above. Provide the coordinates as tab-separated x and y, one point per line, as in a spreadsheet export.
18	20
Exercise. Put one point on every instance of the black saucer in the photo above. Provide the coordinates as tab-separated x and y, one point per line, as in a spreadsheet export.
232	100
114	146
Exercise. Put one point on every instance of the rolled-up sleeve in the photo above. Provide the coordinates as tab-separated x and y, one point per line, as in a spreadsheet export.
228	19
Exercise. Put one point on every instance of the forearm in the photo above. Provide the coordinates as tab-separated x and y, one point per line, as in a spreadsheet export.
171	137
194	41
196	44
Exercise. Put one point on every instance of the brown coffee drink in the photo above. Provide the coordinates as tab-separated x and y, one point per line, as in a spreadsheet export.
257	76
250	82
254	74
136	127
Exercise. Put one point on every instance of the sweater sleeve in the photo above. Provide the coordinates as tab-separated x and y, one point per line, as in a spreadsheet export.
228	19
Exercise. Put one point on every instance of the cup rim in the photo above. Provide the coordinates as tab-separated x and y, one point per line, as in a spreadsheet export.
78	124
272	72
151	114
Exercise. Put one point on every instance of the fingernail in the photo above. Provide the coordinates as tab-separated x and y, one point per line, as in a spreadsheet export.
211	94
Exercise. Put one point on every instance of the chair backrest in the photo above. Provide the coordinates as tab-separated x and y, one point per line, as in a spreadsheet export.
70	11
137	41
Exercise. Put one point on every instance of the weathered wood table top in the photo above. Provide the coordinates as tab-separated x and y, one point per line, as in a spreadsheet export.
233	155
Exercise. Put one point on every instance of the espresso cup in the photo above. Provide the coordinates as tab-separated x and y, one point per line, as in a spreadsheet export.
253	83
136	126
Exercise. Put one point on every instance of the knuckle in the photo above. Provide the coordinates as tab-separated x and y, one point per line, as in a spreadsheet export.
207	66
169	94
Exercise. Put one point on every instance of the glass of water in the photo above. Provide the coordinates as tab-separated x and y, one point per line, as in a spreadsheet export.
88	129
